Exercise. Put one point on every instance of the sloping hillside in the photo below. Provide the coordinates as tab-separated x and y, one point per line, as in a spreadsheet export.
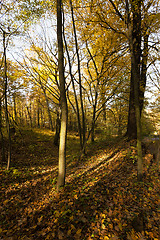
101	200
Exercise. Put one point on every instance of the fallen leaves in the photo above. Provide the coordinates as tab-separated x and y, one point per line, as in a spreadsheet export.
100	201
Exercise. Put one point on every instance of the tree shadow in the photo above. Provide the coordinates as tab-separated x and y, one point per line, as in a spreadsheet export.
77	207
98	200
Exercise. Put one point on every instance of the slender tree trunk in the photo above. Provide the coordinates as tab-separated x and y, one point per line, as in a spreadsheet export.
29	114
75	96
93	118
96	95
1	133
48	109
15	109
120	122
6	102
143	71
80	80
38	113
63	101
42	117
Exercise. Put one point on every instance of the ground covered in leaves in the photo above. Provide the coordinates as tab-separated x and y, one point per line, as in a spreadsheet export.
101	200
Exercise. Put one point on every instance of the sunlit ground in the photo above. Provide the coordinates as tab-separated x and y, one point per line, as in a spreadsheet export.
101	200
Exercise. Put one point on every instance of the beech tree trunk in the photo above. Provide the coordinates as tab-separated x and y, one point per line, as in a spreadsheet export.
58	126
63	101
135	50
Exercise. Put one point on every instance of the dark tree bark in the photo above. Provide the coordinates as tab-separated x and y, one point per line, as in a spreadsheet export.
131	126
38	113
142	66
63	101
15	107
1	133
29	110
143	72
6	100
135	50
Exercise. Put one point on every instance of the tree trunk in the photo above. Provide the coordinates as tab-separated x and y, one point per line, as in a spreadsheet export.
63	101
48	109
80	80
93	124
94	118
75	96
1	133
58	127
29	114
131	126
135	50
38	113
15	108
143	71
138	123
6	102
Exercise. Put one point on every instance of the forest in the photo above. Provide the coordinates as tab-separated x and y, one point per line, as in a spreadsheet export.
79	119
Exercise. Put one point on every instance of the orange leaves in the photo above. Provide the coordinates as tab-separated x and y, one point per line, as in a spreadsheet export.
99	201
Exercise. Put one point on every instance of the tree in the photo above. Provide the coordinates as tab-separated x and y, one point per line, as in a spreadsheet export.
63	100
127	24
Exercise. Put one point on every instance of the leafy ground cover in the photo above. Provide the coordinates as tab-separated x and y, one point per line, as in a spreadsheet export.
101	200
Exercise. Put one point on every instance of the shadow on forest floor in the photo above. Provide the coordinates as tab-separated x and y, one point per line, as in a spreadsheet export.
101	200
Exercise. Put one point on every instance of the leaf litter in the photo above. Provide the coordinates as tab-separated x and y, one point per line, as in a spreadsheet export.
101	200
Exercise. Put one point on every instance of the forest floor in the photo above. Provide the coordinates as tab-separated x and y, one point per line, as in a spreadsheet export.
101	199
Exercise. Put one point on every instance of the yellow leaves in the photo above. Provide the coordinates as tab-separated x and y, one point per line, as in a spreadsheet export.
116	220
103	226
72	227
69	232
110	226
71	218
6	201
106	238
103	215
57	213
47	238
79	232
40	219
76	197
107	191
150	234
